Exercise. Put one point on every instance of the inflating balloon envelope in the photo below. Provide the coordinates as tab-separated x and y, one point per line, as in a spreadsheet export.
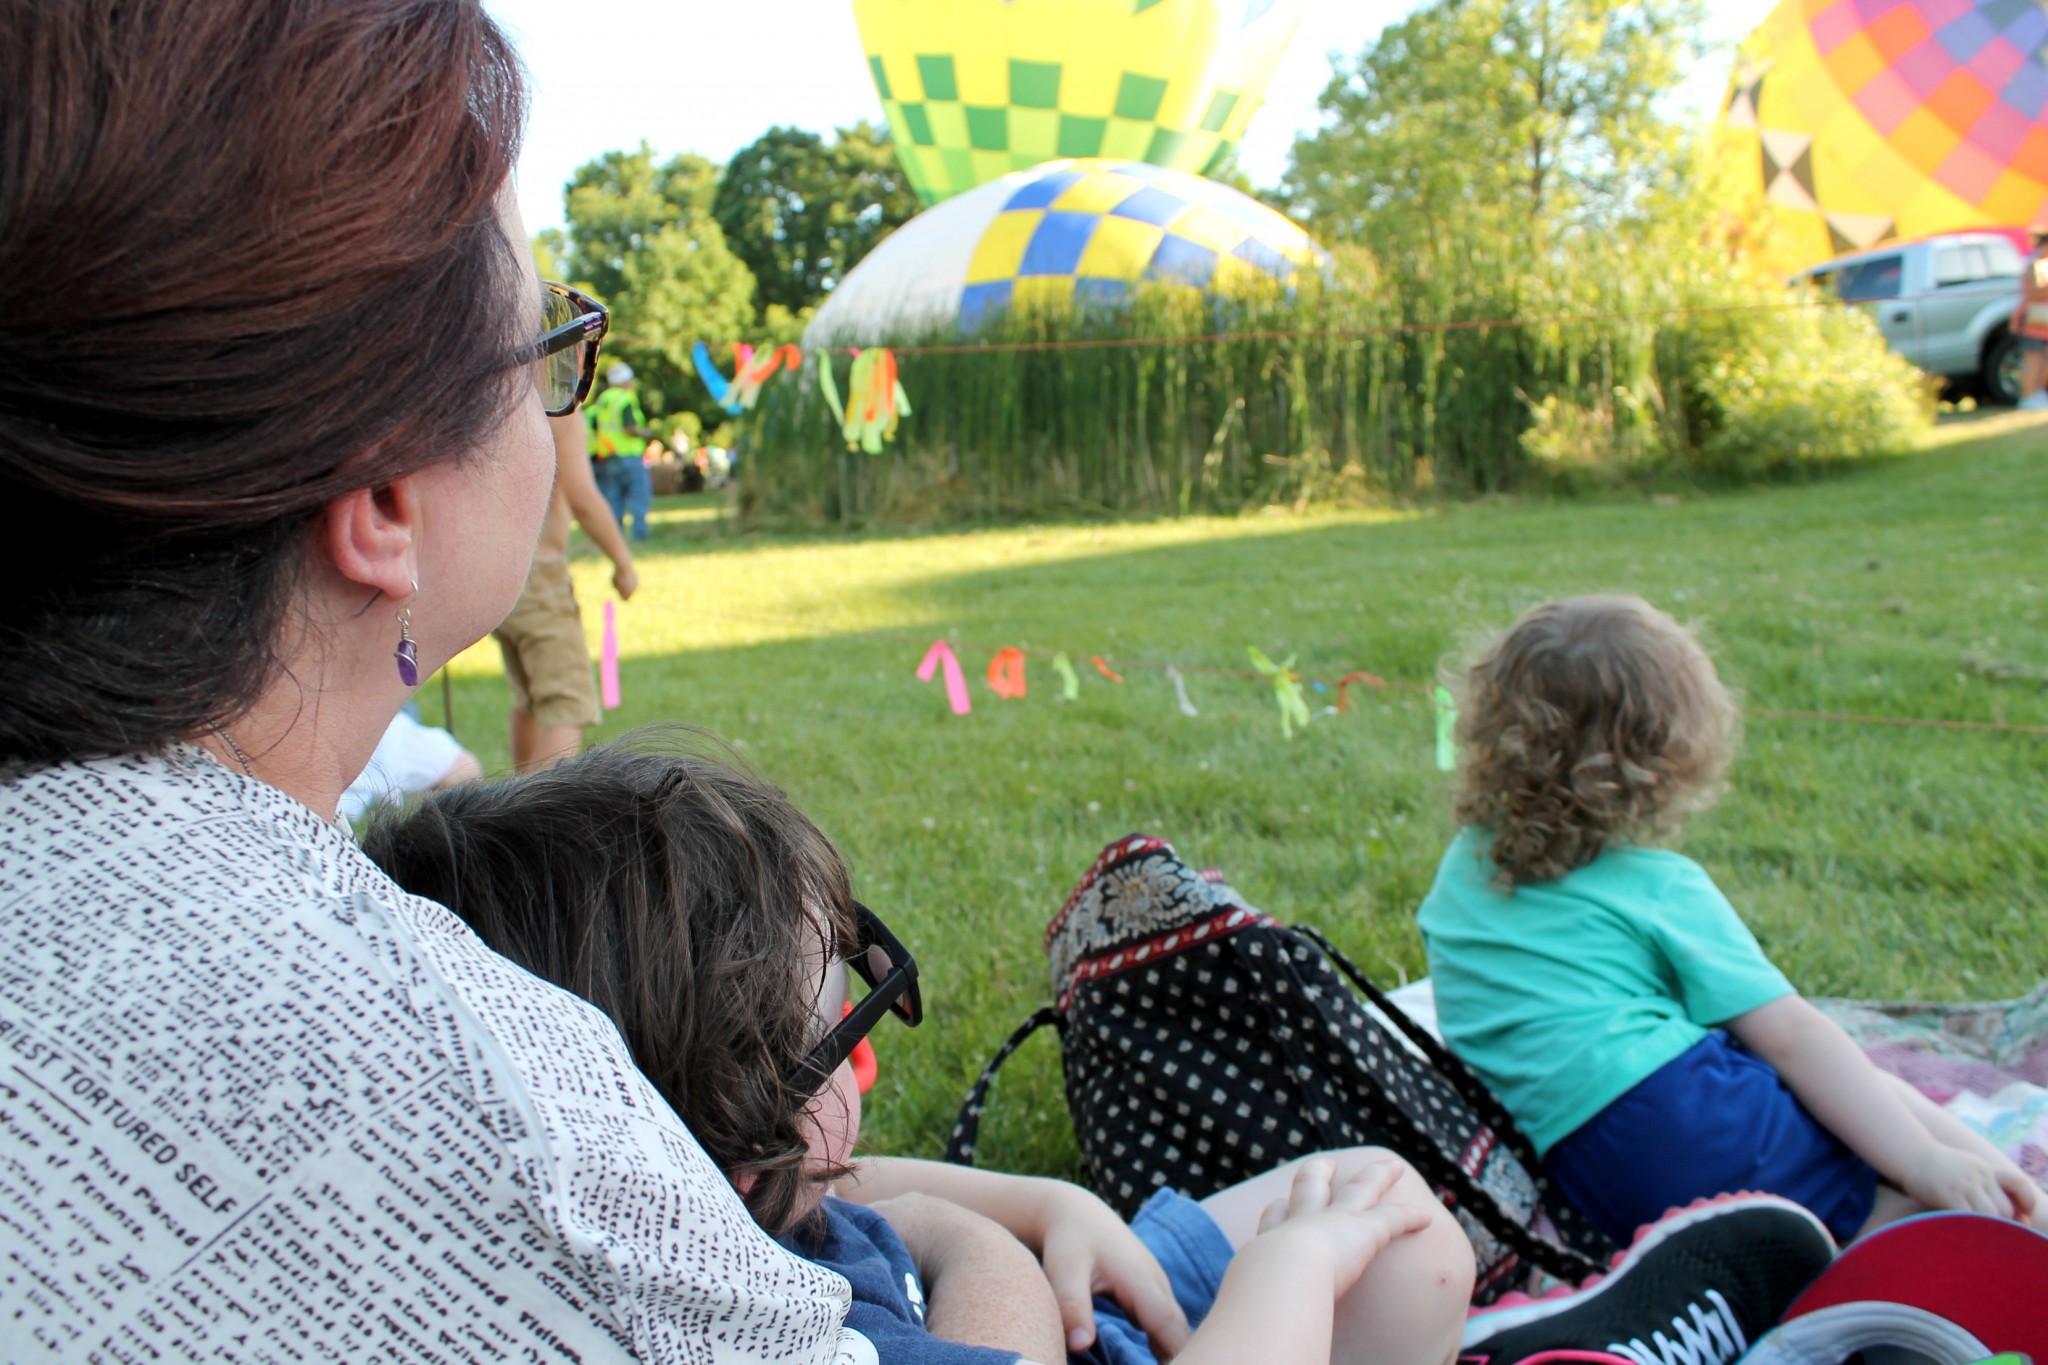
1855	122
976	89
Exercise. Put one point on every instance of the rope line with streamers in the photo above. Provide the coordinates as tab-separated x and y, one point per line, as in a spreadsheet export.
1112	667
1381	329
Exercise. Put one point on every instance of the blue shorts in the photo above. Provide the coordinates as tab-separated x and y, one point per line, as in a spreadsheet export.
1713	1120
1192	1251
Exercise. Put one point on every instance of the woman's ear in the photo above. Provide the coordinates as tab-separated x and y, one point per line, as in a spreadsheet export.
371	536
744	1182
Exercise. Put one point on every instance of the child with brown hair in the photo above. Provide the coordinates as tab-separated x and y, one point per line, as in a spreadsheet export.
714	924
697	908
1606	989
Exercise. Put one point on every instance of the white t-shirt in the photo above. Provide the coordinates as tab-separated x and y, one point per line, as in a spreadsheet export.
258	1104
410	758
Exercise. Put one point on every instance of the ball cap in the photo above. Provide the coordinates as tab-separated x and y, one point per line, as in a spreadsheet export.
1950	1286
621	373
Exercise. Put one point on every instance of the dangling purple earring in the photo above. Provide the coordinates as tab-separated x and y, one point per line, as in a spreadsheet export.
407	654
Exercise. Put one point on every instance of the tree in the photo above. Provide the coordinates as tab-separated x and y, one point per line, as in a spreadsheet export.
1537	112
640	236
550	250
802	212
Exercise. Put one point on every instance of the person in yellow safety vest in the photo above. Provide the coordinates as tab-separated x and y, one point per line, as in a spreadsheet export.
618	440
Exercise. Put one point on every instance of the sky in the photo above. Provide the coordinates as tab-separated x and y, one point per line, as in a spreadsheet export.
687	76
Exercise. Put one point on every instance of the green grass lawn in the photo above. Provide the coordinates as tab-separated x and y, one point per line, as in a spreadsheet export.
1870	861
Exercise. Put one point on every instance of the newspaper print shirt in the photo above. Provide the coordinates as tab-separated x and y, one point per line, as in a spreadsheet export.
257	1104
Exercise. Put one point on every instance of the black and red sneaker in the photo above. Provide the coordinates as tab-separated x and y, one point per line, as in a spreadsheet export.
1698	1287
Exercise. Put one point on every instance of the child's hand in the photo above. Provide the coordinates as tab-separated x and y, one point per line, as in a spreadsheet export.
2028	1204
1948	1178
1087	1250
1344	1224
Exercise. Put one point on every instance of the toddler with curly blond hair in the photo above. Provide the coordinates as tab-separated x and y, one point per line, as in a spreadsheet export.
1607	990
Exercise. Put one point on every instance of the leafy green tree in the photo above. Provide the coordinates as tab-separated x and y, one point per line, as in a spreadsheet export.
550	249
801	212
1540	113
640	236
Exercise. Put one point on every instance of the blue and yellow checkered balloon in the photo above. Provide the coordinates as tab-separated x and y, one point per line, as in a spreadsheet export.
1081	232
1090	230
976	89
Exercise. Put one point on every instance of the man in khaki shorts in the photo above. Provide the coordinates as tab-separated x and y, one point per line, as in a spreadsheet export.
547	659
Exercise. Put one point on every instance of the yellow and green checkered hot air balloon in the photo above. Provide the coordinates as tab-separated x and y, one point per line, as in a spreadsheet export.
976	89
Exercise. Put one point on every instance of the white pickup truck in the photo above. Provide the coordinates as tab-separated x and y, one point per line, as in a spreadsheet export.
1945	303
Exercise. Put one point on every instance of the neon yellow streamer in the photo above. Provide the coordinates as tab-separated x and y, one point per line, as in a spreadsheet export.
874	401
1286	690
830	386
1070	681
1446	730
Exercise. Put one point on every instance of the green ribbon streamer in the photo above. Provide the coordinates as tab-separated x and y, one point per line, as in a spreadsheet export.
831	388
859	430
1446	730
1070	681
862	430
1286	690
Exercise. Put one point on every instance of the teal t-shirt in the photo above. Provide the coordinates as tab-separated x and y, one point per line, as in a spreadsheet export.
1563	995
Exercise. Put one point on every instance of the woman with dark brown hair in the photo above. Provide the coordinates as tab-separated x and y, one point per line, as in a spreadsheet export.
274	382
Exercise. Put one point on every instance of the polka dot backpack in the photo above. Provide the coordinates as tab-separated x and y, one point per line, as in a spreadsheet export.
1203	1043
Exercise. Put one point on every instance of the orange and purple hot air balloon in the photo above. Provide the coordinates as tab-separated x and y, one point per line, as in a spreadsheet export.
1854	122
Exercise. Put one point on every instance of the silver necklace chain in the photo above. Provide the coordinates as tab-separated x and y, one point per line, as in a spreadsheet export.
236	750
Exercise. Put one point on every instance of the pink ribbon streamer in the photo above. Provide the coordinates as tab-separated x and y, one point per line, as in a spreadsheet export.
956	681
608	660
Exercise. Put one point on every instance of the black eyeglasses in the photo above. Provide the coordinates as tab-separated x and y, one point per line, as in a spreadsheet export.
564	358
885	964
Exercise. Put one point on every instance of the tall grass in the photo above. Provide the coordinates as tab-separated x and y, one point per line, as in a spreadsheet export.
1462	366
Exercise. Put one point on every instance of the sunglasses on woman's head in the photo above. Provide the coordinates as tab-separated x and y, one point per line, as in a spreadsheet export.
564	358
885	964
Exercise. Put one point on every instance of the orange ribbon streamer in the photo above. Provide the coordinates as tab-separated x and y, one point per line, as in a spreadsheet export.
1006	673
755	368
1104	669
1344	686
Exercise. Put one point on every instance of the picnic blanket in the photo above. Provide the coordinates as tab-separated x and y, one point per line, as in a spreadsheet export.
1985	1063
